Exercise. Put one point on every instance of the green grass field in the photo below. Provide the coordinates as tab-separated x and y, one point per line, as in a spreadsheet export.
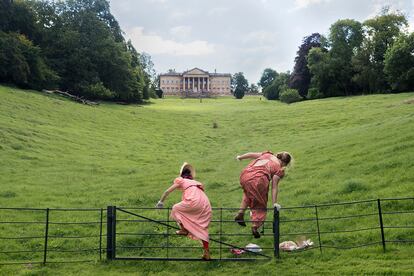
57	153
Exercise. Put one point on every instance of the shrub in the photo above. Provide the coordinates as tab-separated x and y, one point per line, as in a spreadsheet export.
290	96
280	83
97	91
314	93
159	93
239	93
271	92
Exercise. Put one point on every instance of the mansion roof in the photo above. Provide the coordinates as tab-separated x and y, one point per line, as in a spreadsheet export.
196	71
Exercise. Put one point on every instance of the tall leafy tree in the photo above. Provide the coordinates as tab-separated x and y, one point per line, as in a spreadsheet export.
21	63
301	77
322	74
399	63
345	37
81	41
240	85
267	77
380	33
253	89
331	66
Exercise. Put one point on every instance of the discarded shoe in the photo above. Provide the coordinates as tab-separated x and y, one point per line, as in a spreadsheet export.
236	251
253	248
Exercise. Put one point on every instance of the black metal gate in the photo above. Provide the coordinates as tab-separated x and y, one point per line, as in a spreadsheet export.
149	234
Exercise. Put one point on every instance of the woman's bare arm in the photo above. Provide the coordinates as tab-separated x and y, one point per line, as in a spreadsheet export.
275	188
168	191
249	155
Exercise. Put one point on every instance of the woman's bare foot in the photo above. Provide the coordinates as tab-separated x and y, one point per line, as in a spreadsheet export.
182	232
206	255
240	219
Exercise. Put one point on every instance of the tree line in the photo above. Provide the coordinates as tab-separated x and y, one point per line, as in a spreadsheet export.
375	56
73	45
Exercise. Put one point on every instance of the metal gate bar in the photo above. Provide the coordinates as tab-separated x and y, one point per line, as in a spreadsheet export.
111	243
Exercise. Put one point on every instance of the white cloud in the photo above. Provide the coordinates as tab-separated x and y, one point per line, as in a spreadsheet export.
217	11
158	1
155	44
260	38
181	32
260	41
301	4
180	14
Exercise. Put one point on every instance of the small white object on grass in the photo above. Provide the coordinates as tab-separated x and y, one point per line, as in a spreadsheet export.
253	248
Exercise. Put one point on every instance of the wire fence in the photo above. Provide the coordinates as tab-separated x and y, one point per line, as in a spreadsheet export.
58	235
351	225
51	235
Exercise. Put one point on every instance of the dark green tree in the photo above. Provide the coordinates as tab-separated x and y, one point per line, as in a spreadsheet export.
240	85
301	77
253	89
331	64
381	32
21	63
345	37
322	74
267	77
81	41
399	63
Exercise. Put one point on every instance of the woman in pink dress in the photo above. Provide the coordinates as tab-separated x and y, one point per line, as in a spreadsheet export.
193	213
255	179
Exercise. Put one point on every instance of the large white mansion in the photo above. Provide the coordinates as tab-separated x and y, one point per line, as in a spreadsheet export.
195	82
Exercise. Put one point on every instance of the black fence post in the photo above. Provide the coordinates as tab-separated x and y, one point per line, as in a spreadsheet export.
111	232
168	232
46	236
381	224
276	233
221	230
317	224
100	236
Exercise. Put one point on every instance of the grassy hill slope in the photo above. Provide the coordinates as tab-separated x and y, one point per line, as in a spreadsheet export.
57	153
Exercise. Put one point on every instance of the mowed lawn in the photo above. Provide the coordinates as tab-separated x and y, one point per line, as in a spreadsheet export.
57	153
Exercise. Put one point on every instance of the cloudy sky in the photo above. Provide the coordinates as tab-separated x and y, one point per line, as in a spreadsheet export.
235	35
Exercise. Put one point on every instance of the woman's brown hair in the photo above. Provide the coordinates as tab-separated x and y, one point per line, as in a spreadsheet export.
284	156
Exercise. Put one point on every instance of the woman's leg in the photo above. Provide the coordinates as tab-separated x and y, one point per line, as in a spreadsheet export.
240	215
258	217
243	204
206	251
182	231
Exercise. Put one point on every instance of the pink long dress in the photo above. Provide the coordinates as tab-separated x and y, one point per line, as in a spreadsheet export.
255	183
194	210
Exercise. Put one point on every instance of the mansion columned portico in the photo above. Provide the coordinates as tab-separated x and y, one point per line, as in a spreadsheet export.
195	82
